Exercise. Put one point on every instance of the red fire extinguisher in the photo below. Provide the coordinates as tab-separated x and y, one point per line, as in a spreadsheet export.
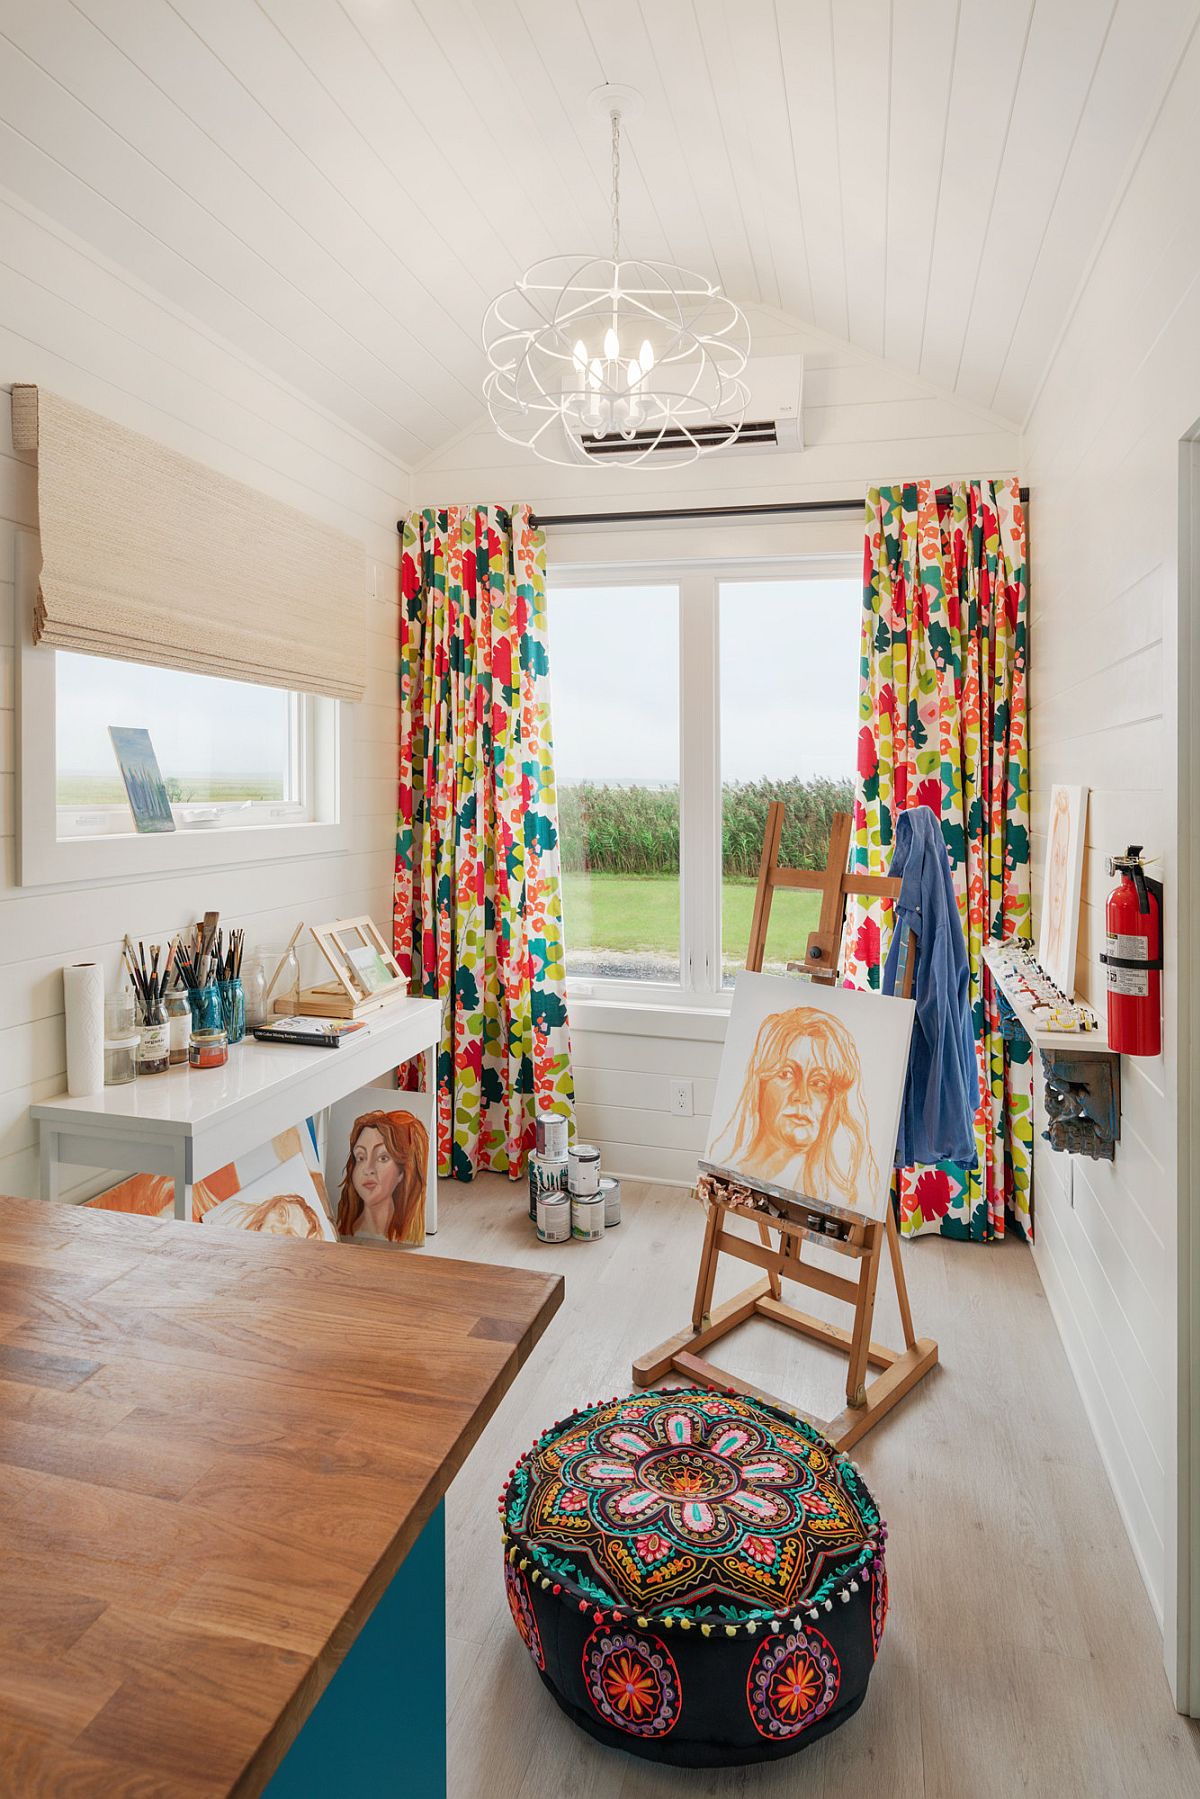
1133	957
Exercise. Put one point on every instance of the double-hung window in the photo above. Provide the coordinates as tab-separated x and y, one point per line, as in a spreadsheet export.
685	701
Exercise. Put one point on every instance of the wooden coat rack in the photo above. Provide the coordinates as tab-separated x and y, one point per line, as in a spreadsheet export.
780	1257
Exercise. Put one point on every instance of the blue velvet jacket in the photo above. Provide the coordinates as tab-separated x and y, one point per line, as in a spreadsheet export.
937	1120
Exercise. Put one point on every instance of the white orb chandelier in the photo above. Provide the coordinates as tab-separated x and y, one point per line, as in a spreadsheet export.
609	358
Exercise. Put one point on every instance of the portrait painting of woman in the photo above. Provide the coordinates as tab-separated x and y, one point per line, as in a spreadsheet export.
1060	892
383	1187
279	1215
808	1097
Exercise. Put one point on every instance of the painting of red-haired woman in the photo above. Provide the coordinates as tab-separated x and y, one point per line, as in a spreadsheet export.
383	1185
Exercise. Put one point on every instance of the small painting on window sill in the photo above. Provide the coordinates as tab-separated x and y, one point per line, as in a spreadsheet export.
142	777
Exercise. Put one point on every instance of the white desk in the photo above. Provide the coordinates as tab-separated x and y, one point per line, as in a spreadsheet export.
190	1121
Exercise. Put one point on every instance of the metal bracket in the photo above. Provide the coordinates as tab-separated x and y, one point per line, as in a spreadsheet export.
1083	1103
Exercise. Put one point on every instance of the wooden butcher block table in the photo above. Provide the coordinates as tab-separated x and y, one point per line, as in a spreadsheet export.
222	1464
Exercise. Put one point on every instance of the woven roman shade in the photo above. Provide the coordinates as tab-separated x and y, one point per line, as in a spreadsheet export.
151	557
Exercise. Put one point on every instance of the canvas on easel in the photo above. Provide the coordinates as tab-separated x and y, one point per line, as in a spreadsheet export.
809	1092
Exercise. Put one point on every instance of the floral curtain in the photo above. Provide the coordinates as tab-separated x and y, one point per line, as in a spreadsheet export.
943	724
477	908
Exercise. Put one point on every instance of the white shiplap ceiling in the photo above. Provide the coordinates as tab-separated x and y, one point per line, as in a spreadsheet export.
338	187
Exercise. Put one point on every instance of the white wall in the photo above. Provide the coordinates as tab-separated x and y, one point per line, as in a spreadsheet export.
75	324
1102	457
863	422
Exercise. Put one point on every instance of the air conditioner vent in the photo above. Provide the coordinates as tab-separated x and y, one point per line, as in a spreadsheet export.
751	434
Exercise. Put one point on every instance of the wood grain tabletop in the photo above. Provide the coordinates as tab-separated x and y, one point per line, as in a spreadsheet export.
214	1455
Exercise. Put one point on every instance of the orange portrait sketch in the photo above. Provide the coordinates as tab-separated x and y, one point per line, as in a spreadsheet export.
800	1120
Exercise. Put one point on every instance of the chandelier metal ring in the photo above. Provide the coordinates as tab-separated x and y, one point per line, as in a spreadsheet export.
592	353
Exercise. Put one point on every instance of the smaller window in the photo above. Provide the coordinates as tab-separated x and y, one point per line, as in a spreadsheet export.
231	754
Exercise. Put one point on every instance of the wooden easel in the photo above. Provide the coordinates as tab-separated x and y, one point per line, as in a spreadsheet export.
862	1241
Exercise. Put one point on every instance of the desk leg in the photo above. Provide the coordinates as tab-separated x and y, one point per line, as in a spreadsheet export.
183	1180
379	1728
47	1161
429	1119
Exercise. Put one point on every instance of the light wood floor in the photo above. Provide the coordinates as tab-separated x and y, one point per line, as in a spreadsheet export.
1021	1654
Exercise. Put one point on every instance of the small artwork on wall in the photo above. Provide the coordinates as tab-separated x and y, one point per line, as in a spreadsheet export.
808	1095
1059	919
143	780
378	1163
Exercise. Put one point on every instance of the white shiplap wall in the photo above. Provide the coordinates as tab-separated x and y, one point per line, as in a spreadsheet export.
1102	455
75	324
864	422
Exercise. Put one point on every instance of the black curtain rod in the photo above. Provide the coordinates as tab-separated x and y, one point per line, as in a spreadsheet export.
664	514
539	520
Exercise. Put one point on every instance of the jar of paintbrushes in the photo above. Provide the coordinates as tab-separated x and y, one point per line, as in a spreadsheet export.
211	966
151	976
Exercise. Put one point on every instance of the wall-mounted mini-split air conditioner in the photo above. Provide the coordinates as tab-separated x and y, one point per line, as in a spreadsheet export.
774	420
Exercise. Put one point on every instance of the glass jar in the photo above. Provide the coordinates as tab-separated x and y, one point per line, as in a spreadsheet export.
154	1042
205	1003
233	1009
209	1049
120	1014
179	1020
285	994
121	1059
254	984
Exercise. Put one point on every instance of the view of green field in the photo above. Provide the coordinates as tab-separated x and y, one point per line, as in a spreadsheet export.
109	790
616	922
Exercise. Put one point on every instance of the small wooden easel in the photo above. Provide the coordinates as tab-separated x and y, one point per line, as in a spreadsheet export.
859	1240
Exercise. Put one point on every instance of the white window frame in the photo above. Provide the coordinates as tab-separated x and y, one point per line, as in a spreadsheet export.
324	740
699	587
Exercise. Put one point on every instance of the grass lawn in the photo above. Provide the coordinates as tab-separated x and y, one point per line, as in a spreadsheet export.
631	913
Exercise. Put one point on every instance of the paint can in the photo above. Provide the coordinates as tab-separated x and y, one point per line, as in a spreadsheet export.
554	1217
587	1216
583	1170
547	1174
552	1135
610	1192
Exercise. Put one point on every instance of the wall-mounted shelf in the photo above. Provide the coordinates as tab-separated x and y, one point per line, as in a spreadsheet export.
1078	1043
1082	1074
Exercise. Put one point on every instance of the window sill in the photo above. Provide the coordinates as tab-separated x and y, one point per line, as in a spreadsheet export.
49	862
703	1022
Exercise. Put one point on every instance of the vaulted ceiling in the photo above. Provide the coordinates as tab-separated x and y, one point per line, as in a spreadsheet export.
338	187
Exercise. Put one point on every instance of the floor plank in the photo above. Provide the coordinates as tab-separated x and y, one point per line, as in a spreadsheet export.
1021	1655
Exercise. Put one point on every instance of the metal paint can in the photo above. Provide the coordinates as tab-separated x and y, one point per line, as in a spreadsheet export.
587	1216
554	1217
547	1174
610	1192
552	1135
583	1165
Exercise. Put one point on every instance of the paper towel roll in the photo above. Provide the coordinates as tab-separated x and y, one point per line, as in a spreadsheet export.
83	994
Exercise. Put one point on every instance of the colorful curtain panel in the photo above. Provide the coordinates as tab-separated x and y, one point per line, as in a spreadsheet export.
478	910
943	724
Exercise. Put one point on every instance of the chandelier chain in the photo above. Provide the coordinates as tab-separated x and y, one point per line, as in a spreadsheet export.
616	186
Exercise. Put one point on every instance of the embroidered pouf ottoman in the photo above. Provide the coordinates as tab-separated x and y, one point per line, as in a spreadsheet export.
698	1577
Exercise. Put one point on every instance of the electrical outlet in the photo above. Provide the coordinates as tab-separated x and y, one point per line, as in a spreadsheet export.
681	1099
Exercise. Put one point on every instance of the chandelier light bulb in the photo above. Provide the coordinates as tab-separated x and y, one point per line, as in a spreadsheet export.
634	373
580	356
646	356
612	345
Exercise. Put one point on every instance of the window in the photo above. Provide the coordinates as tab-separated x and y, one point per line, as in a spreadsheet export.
616	756
682	707
231	754
789	726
